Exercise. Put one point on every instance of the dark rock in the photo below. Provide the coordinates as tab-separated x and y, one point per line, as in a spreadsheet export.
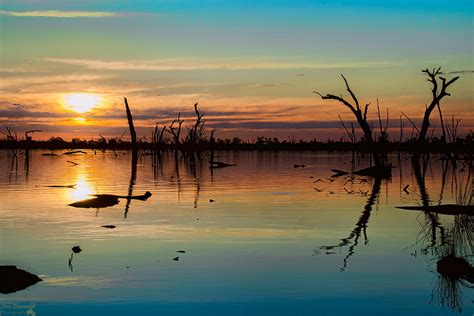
13	279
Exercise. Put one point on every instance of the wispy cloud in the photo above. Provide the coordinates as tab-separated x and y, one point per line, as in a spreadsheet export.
26	81
59	14
166	64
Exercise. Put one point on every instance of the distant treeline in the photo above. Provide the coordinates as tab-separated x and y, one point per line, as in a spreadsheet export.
461	145
192	138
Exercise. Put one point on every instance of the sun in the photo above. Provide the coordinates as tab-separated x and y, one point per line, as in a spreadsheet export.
81	102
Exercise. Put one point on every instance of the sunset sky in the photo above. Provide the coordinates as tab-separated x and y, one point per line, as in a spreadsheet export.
66	65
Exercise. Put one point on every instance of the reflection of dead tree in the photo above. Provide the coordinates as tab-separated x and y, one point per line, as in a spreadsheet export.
432	223
133	178
453	269
361	226
359	113
455	243
438	93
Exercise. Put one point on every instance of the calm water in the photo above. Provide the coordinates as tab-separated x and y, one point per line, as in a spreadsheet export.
259	248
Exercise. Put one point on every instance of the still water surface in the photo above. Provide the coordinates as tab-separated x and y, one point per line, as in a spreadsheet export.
275	240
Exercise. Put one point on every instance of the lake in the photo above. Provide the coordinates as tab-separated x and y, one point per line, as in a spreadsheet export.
266	236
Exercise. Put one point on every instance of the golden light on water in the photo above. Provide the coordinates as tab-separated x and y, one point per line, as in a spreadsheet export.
83	190
81	102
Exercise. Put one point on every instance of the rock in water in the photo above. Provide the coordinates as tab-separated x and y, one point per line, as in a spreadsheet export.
76	249
13	279
98	202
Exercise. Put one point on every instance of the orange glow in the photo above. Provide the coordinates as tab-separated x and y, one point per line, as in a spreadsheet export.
81	102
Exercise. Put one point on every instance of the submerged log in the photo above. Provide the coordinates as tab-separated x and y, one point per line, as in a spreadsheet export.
383	172
107	200
218	164
13	279
446	209
97	202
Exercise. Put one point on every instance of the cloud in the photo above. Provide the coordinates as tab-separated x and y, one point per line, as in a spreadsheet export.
59	14
167	64
22	81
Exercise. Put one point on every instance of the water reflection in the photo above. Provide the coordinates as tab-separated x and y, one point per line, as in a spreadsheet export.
255	238
360	227
82	188
450	243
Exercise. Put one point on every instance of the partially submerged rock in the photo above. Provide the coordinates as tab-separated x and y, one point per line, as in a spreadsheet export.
455	268
109	226
13	279
76	249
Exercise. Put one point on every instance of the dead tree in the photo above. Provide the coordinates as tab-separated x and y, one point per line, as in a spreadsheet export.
8	133
195	133
157	135
438	93
133	134
359	113
176	131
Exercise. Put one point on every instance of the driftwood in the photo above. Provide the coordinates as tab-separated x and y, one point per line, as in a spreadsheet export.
383	172
71	186
218	164
446	209
107	200
72	152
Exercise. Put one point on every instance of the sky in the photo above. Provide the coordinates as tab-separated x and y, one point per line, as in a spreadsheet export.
252	66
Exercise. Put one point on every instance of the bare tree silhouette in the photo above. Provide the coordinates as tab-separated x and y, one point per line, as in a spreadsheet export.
359	113
438	93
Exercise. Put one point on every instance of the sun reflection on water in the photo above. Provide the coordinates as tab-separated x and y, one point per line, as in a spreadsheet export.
83	189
